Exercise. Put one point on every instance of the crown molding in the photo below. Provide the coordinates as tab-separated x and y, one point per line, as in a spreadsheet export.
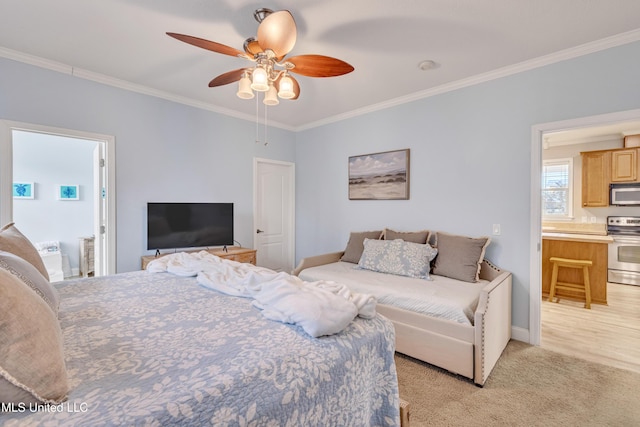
126	85
563	55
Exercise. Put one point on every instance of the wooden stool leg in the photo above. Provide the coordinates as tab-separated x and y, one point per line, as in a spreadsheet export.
554	279
587	287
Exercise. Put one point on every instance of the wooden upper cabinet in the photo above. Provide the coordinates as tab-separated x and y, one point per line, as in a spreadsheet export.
624	165
596	174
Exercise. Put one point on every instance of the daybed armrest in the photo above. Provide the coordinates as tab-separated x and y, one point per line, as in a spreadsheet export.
317	260
492	321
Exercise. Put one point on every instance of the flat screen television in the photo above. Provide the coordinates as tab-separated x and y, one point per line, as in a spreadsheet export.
189	225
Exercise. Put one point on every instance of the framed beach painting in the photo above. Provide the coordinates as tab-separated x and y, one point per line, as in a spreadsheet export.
23	190
68	192
379	176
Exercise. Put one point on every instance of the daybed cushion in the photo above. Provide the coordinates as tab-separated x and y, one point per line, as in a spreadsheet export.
30	276
32	368
397	257
12	240
421	236
459	257
443	297
355	245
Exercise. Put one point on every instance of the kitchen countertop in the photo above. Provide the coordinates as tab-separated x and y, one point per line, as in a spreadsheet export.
577	237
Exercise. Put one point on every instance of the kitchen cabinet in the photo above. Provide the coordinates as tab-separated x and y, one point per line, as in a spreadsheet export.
596	174
624	165
594	248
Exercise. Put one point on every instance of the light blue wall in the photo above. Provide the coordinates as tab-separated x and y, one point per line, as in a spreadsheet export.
470	158
49	161
164	151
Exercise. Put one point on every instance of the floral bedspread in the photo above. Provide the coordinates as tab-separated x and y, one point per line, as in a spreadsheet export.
157	349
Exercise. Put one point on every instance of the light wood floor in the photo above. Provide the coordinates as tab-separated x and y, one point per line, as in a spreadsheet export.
606	334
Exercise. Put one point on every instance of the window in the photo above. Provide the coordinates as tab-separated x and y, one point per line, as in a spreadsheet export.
557	197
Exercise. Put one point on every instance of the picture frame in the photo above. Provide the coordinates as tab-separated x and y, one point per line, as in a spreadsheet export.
68	192
379	176
24	190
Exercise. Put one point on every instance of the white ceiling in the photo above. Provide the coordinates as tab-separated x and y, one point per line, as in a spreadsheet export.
123	42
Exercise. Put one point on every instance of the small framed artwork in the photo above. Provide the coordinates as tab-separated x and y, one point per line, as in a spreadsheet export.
379	176
23	190
68	192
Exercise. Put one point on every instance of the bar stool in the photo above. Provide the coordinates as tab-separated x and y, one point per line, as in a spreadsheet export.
584	287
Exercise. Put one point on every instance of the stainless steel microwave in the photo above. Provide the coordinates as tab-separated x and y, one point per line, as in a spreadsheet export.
624	194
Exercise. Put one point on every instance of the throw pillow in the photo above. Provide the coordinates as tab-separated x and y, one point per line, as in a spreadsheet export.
397	257
30	276
459	257
12	240
408	236
32	368
355	246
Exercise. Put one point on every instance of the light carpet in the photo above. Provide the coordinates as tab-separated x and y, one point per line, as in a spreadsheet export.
529	386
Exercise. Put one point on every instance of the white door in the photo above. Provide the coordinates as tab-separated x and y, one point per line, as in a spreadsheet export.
274	213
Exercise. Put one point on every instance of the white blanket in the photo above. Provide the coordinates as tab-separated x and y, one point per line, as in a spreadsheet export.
320	307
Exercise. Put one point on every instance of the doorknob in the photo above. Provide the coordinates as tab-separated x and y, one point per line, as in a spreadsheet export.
259	231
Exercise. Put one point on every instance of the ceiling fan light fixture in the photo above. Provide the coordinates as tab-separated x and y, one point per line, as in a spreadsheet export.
244	87
271	97
260	81
286	88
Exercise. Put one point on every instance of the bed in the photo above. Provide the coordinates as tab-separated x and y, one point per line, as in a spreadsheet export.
459	325
160	349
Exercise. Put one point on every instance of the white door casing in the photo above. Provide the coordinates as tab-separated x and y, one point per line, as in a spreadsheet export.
274	214
106	179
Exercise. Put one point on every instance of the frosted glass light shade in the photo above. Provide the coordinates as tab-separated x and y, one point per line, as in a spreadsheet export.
260	81
271	97
244	88
286	88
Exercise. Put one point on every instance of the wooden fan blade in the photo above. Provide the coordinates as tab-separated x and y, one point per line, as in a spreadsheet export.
252	47
319	66
226	78
278	33
206	44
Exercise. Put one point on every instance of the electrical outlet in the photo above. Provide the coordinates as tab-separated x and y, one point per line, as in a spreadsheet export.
593	219
496	229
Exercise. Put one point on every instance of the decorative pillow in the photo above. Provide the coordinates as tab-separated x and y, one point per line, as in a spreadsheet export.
354	249
30	276
421	237
459	257
397	257
12	240
32	368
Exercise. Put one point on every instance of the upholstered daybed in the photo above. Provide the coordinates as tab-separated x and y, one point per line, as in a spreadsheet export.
468	347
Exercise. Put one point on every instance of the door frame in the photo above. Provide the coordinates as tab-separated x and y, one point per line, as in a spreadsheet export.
292	224
535	251
6	178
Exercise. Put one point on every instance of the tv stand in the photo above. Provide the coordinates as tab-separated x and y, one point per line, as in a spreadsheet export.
233	253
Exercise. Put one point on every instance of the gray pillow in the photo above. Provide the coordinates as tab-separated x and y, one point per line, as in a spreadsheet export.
12	240
355	246
421	237
30	276
459	257
32	368
397	257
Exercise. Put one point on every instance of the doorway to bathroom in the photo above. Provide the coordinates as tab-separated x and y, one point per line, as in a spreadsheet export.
57	186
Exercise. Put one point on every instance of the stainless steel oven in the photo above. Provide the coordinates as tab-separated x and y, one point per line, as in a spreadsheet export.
624	252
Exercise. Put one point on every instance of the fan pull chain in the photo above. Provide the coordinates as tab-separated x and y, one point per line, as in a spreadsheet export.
265	126
257	127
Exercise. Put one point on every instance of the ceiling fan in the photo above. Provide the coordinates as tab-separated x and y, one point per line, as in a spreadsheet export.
271	73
